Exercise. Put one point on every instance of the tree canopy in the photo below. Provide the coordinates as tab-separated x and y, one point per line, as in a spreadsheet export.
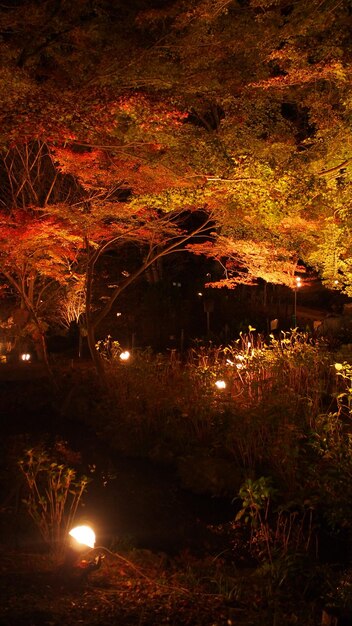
118	121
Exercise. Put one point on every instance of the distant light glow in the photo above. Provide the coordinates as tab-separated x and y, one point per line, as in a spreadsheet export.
220	384
25	356
124	356
84	535
298	281
118	314
199	293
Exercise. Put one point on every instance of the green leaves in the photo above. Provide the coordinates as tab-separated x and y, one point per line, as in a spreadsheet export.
54	492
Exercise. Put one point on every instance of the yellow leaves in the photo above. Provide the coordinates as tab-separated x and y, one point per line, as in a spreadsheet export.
332	70
249	259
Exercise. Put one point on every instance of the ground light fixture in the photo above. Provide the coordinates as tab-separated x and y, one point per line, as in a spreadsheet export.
124	356
298	284
81	546
83	556
220	384
83	535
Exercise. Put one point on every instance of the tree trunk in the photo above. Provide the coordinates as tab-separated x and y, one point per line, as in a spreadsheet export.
96	358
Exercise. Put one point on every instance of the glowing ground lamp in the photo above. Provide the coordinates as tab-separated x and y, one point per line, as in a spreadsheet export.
298	284
82	537
124	356
220	384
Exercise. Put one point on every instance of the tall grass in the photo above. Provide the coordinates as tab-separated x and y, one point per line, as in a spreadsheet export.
275	390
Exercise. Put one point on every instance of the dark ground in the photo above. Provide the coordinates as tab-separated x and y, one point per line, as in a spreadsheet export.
150	591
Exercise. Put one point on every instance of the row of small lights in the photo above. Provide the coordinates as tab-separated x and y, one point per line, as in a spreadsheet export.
124	356
220	384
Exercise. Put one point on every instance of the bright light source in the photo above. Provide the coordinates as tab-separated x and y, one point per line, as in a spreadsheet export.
199	293
83	535
229	362
298	281
336	282
124	356
25	356
249	344
118	314
220	384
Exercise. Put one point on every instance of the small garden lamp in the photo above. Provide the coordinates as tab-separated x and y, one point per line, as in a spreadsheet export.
220	384
83	535
298	284
124	356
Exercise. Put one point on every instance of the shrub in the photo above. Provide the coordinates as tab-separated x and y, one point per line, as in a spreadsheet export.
53	493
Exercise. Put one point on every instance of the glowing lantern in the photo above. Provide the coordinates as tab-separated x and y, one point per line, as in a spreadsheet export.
83	535
124	356
25	357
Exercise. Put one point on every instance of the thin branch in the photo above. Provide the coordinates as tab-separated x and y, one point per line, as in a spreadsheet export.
335	168
164	252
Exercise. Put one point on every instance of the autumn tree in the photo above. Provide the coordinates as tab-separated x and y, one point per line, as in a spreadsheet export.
37	251
110	217
238	109
35	259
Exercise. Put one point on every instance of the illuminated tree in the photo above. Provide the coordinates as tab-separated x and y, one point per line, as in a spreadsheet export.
239	110
36	255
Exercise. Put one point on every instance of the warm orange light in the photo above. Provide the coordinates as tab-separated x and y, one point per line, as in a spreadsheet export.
220	384
83	535
124	356
25	356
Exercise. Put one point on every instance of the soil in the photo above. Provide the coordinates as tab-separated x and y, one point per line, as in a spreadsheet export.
144	589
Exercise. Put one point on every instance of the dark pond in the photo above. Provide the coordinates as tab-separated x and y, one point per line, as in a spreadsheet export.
145	506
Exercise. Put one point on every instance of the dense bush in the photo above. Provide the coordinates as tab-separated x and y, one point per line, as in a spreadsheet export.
166	406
